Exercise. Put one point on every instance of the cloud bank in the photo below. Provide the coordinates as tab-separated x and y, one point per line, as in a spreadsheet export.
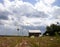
18	13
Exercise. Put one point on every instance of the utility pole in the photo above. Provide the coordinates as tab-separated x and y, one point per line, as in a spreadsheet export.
18	31
18	28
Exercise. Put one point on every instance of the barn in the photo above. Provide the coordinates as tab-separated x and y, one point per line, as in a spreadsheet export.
35	33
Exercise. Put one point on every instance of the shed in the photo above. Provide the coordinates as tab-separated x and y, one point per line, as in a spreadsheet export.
35	33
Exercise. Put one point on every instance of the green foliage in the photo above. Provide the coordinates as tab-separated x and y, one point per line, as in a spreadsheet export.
53	30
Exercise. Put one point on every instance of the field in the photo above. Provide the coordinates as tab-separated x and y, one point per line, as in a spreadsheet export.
17	41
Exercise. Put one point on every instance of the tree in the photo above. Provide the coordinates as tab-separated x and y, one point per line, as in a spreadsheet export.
52	30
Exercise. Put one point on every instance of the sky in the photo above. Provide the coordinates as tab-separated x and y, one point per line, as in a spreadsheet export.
29	14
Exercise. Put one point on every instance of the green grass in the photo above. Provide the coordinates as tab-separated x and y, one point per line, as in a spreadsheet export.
45	41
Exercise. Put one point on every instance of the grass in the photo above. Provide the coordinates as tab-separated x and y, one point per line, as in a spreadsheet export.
45	41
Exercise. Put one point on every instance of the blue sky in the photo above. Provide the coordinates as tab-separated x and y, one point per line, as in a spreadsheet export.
31	1
57	2
1	1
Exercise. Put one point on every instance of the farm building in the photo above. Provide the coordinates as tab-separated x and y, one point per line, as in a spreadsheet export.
35	33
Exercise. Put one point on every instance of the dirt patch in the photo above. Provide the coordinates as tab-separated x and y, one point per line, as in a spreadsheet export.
24	43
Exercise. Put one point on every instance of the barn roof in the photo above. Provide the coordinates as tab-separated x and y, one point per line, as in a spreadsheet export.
34	31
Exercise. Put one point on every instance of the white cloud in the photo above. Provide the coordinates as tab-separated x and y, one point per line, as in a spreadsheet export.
49	2
31	21
41	6
1	7
56	14
26	14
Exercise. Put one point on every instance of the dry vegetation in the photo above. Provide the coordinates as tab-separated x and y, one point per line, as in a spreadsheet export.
46	41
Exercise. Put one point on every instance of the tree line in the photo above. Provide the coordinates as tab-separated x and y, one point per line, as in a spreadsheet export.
52	30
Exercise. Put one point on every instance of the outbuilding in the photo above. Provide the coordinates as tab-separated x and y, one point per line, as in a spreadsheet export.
35	33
